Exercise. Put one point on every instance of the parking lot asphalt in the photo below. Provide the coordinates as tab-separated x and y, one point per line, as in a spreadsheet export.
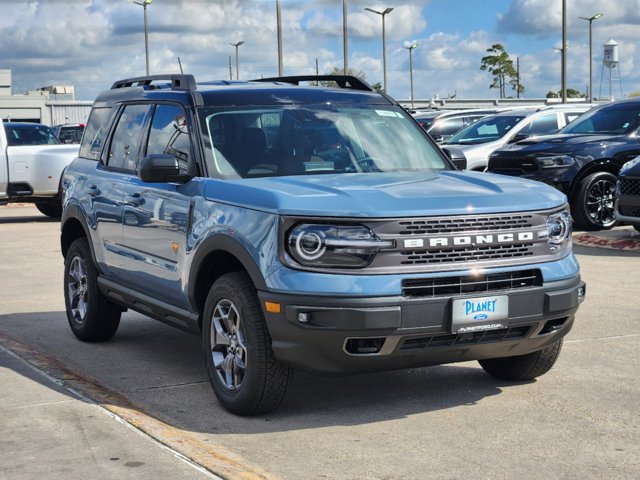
139	406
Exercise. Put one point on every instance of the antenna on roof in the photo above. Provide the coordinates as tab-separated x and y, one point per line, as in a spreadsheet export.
180	65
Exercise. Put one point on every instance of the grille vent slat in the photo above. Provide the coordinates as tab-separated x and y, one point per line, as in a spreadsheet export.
467	254
424	227
630	187
422	343
434	287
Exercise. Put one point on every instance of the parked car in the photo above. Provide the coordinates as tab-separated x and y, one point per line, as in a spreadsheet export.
307	227
31	165
582	160
627	202
477	141
441	125
69	132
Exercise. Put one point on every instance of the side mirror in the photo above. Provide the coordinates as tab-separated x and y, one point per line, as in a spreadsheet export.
161	168
457	158
519	136
460	163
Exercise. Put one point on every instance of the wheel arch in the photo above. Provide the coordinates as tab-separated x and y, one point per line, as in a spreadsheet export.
73	226
601	165
215	257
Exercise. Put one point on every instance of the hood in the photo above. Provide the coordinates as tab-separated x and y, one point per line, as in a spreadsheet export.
562	143
386	195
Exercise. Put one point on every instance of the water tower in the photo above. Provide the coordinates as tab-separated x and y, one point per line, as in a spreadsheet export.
610	61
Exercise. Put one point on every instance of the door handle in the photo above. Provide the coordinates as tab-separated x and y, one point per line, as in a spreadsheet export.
134	200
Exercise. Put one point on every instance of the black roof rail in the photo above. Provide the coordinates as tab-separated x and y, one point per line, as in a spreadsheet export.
178	82
343	81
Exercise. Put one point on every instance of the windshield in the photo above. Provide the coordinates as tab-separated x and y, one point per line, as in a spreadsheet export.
26	134
488	129
314	139
613	119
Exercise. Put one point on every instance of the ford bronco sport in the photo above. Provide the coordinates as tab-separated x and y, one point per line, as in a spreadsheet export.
307	227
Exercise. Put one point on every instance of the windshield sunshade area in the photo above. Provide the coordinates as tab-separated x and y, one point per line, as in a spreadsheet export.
613	119
485	130
314	139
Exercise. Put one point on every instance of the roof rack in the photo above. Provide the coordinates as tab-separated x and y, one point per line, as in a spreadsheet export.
178	82
343	81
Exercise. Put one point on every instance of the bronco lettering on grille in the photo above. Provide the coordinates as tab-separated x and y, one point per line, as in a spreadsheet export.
460	240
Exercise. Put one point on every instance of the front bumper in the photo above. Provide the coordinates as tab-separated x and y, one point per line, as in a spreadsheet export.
359	334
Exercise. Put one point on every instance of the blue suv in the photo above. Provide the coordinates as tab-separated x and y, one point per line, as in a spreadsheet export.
312	227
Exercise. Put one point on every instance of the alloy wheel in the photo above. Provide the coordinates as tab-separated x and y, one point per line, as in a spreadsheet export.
77	289
600	202
228	349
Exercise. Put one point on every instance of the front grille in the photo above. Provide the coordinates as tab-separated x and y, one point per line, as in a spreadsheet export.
630	187
464	224
493	282
467	254
512	165
487	336
629	211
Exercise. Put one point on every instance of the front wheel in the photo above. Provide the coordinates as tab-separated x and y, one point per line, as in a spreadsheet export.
523	367
593	203
92	317
242	369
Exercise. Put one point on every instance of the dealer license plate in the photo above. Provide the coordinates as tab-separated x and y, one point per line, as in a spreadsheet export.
481	313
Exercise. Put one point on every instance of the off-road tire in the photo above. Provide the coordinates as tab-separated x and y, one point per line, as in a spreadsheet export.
523	367
258	383
91	316
592	205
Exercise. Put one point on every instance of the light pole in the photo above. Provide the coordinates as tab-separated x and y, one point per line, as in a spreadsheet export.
279	28
144	4
383	13
590	20
345	41
410	48
237	45
563	67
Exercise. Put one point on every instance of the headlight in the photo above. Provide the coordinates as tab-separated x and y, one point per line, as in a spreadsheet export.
559	231
556	161
334	246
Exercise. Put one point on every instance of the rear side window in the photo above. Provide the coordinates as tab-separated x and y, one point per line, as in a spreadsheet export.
544	124
95	134
124	151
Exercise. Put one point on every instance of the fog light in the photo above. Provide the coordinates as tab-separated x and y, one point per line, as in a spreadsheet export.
304	317
582	291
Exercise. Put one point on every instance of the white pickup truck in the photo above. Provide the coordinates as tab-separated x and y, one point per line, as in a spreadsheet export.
31	164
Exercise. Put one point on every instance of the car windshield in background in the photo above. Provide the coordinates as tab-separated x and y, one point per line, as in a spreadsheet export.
71	134
315	139
485	130
26	134
614	119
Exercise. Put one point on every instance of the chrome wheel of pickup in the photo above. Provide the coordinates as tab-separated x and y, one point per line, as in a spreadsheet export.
228	350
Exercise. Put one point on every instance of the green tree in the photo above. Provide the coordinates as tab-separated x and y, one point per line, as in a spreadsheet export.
501	67
571	93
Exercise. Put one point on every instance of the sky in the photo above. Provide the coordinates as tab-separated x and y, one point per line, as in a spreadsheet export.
91	43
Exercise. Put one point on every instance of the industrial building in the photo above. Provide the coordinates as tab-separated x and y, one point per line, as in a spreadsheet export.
51	105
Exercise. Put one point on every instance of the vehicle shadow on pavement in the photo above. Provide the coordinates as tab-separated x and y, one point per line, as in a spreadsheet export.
160	371
28	219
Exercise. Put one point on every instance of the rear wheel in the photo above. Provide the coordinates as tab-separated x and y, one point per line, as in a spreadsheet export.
92	317
593	203
523	367
50	208
244	374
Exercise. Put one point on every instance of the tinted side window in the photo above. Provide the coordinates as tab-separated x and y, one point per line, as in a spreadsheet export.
544	124
170	135
95	134
124	151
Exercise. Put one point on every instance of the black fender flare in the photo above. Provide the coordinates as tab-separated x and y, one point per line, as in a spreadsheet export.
227	244
73	211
